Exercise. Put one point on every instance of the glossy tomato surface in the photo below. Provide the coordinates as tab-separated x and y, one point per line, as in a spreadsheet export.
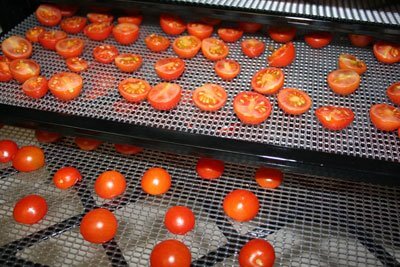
125	33
385	117
282	34
170	253
76	64
200	30
48	15
230	35
318	39
257	252
165	96
49	39
110	184
343	81
33	34
393	92
350	62
35	87
360	40
252	47
179	220
98	31
99	18
156	42
208	168
23	69
169	68
172	25
5	73
156	181
268	81
47	137
87	143
70	47
251	107
66	177
214	49
334	118
128	62
28	158
30	209
66	85
227	69
8	150
16	47
134	90
283	56
268	177
388	53
186	46
73	25
128	149
105	53
209	97
241	205
294	101
99	226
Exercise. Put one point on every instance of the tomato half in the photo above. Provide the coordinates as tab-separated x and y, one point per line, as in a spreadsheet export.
294	101
165	96
30	209
393	92
250	27
23	69
126	33
251	108
87	144
5	73
200	30
98	31
385	117
210	169
49	39
157	43
110	184
268	81
257	252
99	18
179	220
227	69
230	35
268	177
283	56
209	97
48	15
70	47
156	181
172	25
28	158
186	46
350	62
76	64
8	150
360	40
66	177
334	118
214	49
252	47
105	53
169	68
47	137
73	25
241	205
128	62
343	82
170	253
127	149
33	34
282	34
66	85
134	90
387	52
98	226
318	39
35	87
137	19
15	47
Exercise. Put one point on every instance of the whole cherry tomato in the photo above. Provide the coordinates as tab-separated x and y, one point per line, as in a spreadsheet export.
8	149
99	226
208	168
170	253
110	184
128	149
30	209
66	177
156	181
257	252
87	143
29	158
269	177
47	137
241	205
179	220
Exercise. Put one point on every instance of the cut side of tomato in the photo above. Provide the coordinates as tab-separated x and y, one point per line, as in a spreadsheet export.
128	62
350	62
5	73
334	118
251	107
66	85
252	47
294	101
134	90
137	19
186	46
360	40
385	117
105	53
70	47
230	35
209	97
214	49
200	30
282	34
98	31
76	64
388	53
16	47
250	27
49	39
227	69
33	34
126	33
48	15
73	25
343	82
268	81
393	92
99	18
172	25
165	96
318	39
35	87
169	68
23	69
283	56
157	43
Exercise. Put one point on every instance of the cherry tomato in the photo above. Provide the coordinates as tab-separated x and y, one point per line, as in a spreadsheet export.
70	47
343	82
268	81
350	62
170	253
156	181
127	149
23	69
35	87
33	34
66	85
134	90
179	220
30	209
8	149
76	64
227	69
49	39
87	143
165	96
294	101
252	47
28	158
66	177
210	21
251	108
250	27
214	49
110	184
210	169
241	205
98	31
200	30
282	34
137	19
209	97
385	117
186	46
387	52
73	25
128	62
360	40
230	35
318	39
16	47
67	11
157	43
283	56
172	25
47	137
269	177
169	68
99	18
393	92
99	226
5	73
105	53
126	33
334	118
257	252
48	15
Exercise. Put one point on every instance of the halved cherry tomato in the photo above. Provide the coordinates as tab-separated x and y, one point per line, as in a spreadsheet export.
47	137
128	149
250	27
126	33
209	97
110	184
105	53
30	209
169	68
23	69
294	101
230	35
227	69
73	25
87	144
137	19
28	158
385	117
387	52
67	11
200	30
156	181
251	108
48	15
257	252
214	49
179	220
334	118
252	47
268	81
343	82
35	87
33	34
210	169
282	34
66	85
134	90
98	226
66	177
241	205
5	73
49	39
360	40
165	96
283	56
170	253
99	18
70	47
128	62
350	62
16	47
210	21
8	150
393	92
157	43
186	46
318	39
98	31
172	25
269	177
76	64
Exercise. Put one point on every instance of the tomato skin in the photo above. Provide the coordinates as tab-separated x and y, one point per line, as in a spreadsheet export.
360	40
393	92
5	73
49	39
28	158
350	62
47	137
343	81
30	209
283	56
110	184
48	15
230	35
35	87
170	253
385	117
268	177
318	39
66	177
214	49
268	81
257	252
99	18
179	220
157	43
390	53
282	34
241	205
73	25
105	53
65	85
23	69
128	62
16	47
252	47
8	150
98	31
186	46
227	69
137	19
209	97
134	90
169	68
250	27
125	33
156	181
251	108
334	118
165	96
210	169
70	47
200	30
87	144
294	101
172	25
32	34
98	226
128	149
76	64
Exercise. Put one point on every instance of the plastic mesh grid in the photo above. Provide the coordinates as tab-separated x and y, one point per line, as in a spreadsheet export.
311	221
100	98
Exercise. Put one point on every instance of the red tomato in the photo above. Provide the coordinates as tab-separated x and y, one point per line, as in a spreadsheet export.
8	149
99	226
105	53
179	220
172	25
76	64
186	46
343	82
16	47
30	209
257	252
165	96
250	27
5	73
156	181
35	87
252	47
200	30
66	177
282	34
66	85
169	68
23	69
214	49
33	34
47	137
98	31
210	169
28	158
209	97
241	205
268	81
230	35
318	39
251	108
49	39
127	149
334	118
283	56
87	143
393	92
73	25
99	18
350	62
157	43
170	253
67	11
126	33
128	62
268	177
385	117
227	69
360	40
110	184
294	101
387	52
137	19
48	15
70	47
134	90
